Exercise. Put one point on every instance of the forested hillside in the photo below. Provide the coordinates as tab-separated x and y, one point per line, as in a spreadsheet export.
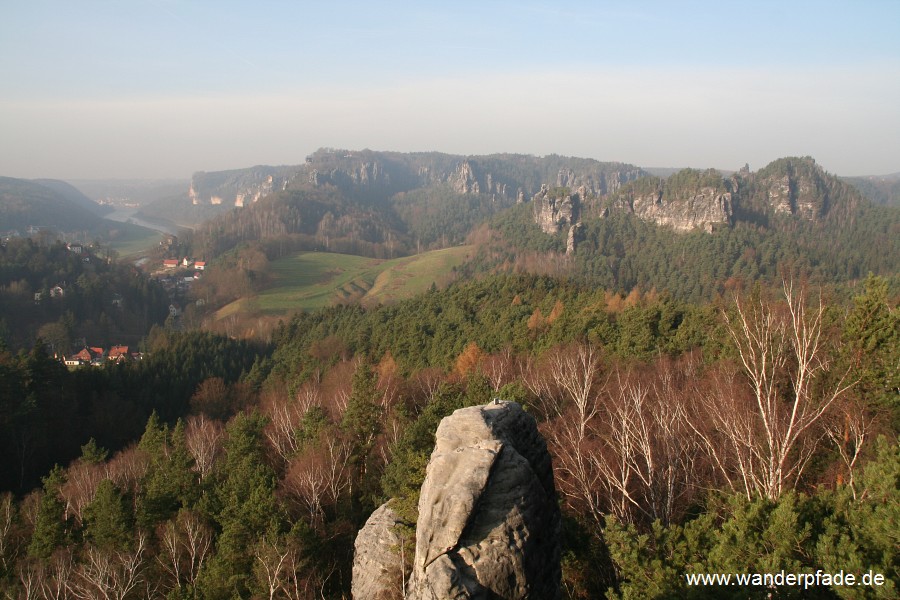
255	473
71	297
714	363
51	204
790	213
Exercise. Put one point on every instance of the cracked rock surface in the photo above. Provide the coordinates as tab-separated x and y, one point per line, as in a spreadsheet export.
489	519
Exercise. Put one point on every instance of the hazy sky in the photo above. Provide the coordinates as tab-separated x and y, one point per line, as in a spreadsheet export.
163	88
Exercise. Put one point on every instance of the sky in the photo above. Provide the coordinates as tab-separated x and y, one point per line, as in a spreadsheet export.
127	89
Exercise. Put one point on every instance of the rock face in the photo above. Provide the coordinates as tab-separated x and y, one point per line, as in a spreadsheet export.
374	561
488	515
239	187
703	209
489	521
553	212
799	187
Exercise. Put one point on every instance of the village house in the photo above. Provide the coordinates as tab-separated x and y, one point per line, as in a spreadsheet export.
200	265
118	354
170	263
85	356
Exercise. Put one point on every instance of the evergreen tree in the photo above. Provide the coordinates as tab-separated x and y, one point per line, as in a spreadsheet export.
108	520
872	336
247	508
169	483
362	422
49	525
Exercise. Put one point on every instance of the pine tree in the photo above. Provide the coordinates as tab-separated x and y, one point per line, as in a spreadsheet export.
49	526
108	520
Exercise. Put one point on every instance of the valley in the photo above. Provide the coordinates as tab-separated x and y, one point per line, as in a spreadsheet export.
278	370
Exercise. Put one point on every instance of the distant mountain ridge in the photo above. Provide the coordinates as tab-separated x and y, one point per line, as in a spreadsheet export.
74	195
379	175
880	189
45	203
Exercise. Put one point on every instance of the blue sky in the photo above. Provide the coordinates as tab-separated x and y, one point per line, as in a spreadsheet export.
162	88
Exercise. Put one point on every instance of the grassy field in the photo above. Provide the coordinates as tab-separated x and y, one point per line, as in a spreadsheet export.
131	240
311	280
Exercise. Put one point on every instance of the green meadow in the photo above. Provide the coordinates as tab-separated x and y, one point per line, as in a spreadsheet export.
129	239
311	280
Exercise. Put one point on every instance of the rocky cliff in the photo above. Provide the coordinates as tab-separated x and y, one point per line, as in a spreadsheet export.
556	210
489	520
239	187
796	186
372	175
691	199
703	209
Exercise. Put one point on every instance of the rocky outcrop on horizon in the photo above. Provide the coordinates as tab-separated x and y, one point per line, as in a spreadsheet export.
556	210
798	186
239	187
379	175
705	209
489	520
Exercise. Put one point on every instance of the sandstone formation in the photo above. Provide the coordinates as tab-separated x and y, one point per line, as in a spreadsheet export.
488	515
489	520
597	182
801	191
239	187
554	212
703	209
375	560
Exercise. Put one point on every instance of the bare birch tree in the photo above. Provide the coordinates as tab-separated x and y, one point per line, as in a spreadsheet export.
203	438
576	371
108	574
848	429
763	445
185	543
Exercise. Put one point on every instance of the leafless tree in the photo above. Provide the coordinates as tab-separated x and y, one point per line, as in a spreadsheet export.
285	573
649	453
29	579
499	368
636	457
203	437
763	445
82	479
578	474
109	574
9	548
285	417
848	428
428	381
576	371
271	565
319	476
56	577
185	543
127	468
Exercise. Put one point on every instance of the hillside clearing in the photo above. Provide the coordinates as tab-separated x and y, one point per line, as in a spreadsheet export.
312	280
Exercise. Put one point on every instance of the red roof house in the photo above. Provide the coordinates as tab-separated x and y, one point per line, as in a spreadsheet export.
118	353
